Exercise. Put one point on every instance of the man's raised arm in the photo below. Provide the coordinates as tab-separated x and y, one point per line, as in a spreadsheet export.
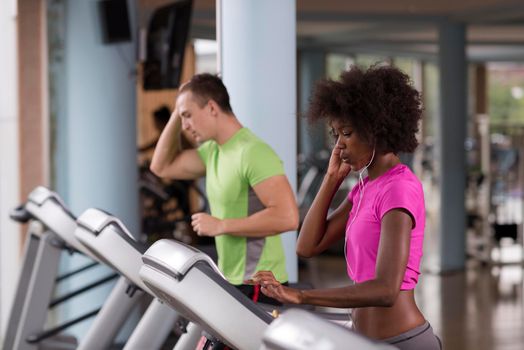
169	160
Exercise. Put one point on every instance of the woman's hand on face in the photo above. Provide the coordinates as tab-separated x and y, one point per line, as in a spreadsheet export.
337	167
270	287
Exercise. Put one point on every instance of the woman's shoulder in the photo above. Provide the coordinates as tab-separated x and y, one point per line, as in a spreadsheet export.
402	189
401	176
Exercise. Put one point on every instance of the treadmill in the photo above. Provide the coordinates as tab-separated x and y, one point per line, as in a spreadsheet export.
109	239
190	282
51	229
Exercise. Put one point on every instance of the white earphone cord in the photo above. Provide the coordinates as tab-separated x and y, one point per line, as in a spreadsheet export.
361	194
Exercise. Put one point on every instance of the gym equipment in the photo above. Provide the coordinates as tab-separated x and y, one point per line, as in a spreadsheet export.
190	282
50	231
297	329
108	239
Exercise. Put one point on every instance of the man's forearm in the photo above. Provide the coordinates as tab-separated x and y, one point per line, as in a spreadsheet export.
168	146
264	223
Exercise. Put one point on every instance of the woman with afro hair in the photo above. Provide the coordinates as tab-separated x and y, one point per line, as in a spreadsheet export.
373	115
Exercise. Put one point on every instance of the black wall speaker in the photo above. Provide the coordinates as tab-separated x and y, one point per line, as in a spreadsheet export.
114	18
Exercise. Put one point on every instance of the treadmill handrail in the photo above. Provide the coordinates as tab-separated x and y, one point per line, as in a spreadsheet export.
96	220
42	194
181	262
20	214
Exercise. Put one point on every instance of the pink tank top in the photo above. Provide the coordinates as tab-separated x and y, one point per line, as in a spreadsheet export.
397	188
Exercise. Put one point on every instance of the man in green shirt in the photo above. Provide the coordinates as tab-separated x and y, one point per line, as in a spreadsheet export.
250	197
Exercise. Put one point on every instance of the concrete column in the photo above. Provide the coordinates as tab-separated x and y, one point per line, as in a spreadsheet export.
257	59
94	113
9	164
451	134
101	100
312	67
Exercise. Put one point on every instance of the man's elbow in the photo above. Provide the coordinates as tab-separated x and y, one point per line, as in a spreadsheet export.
294	220
155	169
285	219
291	221
160	171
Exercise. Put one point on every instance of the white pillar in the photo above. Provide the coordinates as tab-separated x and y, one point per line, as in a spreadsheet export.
95	155
102	169
9	160
257	58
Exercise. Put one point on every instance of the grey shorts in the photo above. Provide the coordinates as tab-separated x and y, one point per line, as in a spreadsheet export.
418	338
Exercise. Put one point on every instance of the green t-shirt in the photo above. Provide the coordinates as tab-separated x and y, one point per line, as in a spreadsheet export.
232	169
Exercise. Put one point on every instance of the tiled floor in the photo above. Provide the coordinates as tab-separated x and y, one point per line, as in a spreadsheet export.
480	308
